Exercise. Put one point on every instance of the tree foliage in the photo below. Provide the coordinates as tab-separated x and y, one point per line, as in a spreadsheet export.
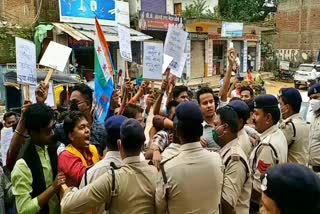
199	9
246	10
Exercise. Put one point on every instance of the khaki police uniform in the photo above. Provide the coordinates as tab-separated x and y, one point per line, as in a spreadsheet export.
171	151
134	190
271	150
237	182
191	182
296	131
244	141
314	147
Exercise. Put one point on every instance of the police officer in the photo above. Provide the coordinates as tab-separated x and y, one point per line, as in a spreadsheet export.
290	188
130	189
237	182
294	128
314	135
272	147
243	111
190	182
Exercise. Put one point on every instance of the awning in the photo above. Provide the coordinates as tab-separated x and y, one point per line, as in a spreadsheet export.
72	32
85	31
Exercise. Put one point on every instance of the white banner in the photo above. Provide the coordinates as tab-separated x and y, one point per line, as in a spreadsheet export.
56	56
152	60
174	47
26	62
125	42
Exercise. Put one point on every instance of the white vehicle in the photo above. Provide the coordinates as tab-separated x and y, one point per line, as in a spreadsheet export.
304	73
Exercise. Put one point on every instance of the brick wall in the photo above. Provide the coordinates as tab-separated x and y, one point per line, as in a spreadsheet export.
155	6
298	28
21	11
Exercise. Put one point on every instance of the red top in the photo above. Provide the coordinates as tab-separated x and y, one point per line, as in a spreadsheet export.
73	167
249	77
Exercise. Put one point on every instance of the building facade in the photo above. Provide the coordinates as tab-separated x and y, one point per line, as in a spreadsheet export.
298	35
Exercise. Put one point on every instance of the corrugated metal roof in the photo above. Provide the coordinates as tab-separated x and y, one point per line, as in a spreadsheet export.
71	31
87	31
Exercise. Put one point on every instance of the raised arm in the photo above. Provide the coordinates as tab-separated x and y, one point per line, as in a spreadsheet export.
224	90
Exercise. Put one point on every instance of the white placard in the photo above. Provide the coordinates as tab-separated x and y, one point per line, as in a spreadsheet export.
174	47
125	42
26	62
6	136
152	60
122	13
50	101
56	56
166	62
180	66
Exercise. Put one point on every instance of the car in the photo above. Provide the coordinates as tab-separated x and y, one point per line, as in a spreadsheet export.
303	74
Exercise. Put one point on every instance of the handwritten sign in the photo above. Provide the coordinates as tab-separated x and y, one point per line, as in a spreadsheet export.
179	65
152	60
26	62
6	136
50	101
125	42
56	56
166	62
174	47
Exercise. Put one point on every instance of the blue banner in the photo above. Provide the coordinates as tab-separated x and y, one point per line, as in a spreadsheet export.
84	11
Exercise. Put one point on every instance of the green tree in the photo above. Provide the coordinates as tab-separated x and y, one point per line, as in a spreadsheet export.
198	9
246	10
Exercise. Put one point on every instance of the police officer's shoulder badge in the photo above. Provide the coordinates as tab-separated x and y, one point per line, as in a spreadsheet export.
264	183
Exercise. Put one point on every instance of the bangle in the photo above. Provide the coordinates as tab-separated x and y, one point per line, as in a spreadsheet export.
20	134
157	149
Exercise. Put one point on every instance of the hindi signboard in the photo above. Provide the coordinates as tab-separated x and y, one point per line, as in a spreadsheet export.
158	22
152	60
125	42
174	46
56	56
26	62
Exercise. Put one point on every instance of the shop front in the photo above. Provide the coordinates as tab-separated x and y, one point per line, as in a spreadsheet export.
209	47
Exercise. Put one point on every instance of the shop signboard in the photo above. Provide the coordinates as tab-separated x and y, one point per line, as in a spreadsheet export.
158	22
232	30
84	11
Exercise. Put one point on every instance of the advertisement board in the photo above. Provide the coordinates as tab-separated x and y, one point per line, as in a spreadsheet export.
84	11
232	29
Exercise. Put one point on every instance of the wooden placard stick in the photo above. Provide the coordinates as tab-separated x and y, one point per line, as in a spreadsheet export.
27	92
127	71
48	77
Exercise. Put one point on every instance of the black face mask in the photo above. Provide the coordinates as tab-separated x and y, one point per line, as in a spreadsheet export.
74	107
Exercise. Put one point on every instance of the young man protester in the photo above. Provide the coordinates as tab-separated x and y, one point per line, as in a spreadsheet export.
205	98
34	177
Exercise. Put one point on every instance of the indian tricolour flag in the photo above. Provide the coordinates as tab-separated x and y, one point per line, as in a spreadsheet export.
103	74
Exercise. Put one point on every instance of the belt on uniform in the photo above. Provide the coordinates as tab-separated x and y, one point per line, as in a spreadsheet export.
316	168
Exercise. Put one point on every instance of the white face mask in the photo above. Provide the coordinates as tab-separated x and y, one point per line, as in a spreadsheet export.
315	105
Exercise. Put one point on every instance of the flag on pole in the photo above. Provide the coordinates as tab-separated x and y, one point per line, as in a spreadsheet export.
103	74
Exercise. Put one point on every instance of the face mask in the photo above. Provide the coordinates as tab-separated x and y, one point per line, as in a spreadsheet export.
215	135
74	107
315	105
